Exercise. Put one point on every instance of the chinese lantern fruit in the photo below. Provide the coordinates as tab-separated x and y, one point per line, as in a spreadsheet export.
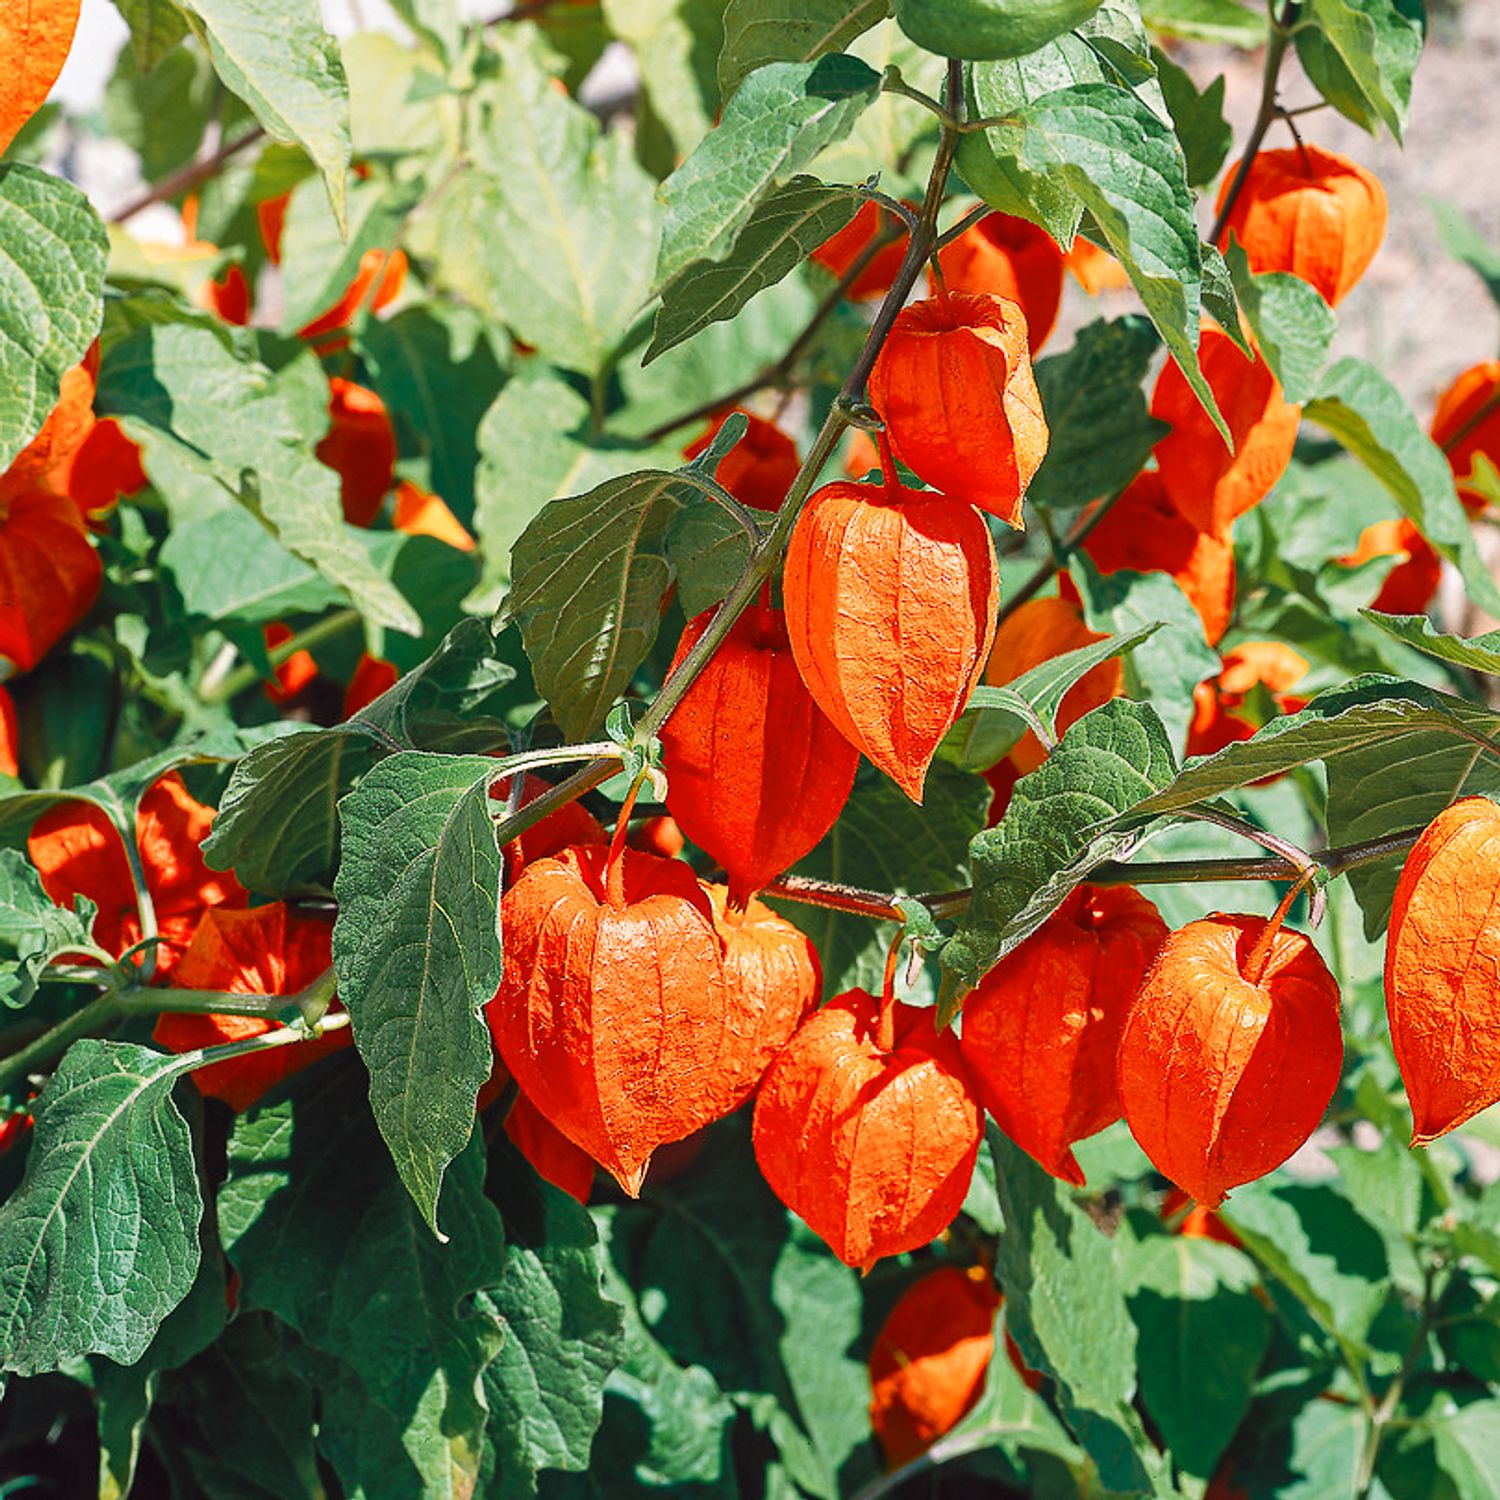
873	1145
1442	969
1466	426
1010	258
613	1015
1207	483
930	1359
568	826
839	251
891	597
1036	632
1409	586
772	982
1307	211
756	772
955	389
361	447
553	1157
35	39
1143	532
1230	1054
1094	269
1041	1032
760	468
50	574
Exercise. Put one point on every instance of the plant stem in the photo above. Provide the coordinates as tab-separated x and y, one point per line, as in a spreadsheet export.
1276	45
84	1021
1381	1417
190	176
1061	553
232	684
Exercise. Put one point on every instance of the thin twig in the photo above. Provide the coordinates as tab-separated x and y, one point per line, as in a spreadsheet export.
190	176
1061	553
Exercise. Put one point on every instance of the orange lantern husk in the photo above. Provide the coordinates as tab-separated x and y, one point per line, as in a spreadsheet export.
1308	211
565	827
891	596
869	1132
760	468
839	251
361	447
954	386
613	1015
1442	969
1466	426
1011	258
1208	484
1231	1052
756	772
553	1157
418	512
50	574
1041	1031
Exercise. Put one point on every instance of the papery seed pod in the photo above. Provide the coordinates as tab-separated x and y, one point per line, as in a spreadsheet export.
553	1157
955	389
35	39
839	251
1307	211
1011	258
660	835
1207	483
1041	1031
50	574
891	597
1197	1223
1216	721
10	735
1039	630
1442	969
569	826
1466	426
871	1139
1143	532
372	676
1231	1052
1409	587
760	468
379	280
361	447
772	982
421	513
1094	269
756	772
930	1359
613	1013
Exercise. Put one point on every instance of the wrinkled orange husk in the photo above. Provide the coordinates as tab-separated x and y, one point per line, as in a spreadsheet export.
1221	1080
955	389
1442	969
756	772
106	467
660	836
930	1359
839	251
1269	664
1205	482
1463	434
760	468
77	852
1214	725
360	447
772	981
373	675
570	825
1009	258
891	598
35	39
553	1157
1308	211
228	296
46	462
615	1020
419	513
1409	586
1041	1032
1143	532
295	673
384	272
875	1151
10	735
1039	630
50	574
267	950
1096	270
1198	1223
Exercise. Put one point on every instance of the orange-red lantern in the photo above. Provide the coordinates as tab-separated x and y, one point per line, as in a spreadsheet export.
1010	258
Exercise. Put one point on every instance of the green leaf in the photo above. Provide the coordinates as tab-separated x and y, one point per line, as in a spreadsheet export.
277	57
1205	134
1101	430
757	32
100	1241
1201	1337
1362	56
676	45
1124	164
51	296
553	231
1357	405
709	550
439	22
417	948
590	574
783	116
1467	1444
1468	246
563	1335
1207	21
1293	325
156	26
1066	817
179	388
882	839
324	1235
1166	668
1479	653
1066	1311
35	929
996	719
783	231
